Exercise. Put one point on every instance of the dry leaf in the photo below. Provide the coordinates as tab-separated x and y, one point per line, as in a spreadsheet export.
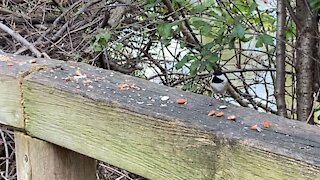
181	101
212	113
220	114
266	123
232	117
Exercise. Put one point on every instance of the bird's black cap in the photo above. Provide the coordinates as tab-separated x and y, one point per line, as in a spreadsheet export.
217	72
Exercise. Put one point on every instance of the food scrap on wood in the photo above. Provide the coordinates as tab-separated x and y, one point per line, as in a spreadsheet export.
220	114
127	86
68	78
266	123
181	101
232	117
212	113
32	61
256	128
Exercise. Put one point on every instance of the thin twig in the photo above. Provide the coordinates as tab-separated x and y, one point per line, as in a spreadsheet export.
114	170
314	103
6	151
21	39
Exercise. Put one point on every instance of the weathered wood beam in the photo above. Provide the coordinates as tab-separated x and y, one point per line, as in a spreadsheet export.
81	108
39	160
12	70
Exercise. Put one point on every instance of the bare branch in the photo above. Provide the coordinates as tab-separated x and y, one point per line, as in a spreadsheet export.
19	38
280	59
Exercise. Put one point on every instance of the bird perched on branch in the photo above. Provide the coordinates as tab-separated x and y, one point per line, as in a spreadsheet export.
219	83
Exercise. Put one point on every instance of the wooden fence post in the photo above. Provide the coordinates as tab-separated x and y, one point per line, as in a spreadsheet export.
39	160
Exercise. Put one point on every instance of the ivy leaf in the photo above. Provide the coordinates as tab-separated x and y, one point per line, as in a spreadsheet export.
103	38
101	41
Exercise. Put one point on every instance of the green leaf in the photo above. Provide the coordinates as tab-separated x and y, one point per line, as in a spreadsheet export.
165	42
164	29
209	45
194	67
216	15
315	4
101	41
97	47
209	67
238	31
253	6
198	8
181	1
202	67
231	43
205	52
198	23
264	39
245	39
259	43
212	58
183	61
150	4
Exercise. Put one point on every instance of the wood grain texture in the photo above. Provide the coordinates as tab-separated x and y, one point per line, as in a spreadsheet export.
151	147
11	112
135	130
12	70
38	160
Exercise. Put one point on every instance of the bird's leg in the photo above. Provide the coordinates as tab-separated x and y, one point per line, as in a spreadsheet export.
224	98
211	99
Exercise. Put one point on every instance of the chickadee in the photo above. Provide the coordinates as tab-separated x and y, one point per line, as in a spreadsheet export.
219	83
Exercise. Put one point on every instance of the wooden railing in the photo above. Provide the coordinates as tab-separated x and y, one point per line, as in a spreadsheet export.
65	115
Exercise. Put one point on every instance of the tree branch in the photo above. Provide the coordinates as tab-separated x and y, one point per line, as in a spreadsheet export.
21	39
280	59
292	14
